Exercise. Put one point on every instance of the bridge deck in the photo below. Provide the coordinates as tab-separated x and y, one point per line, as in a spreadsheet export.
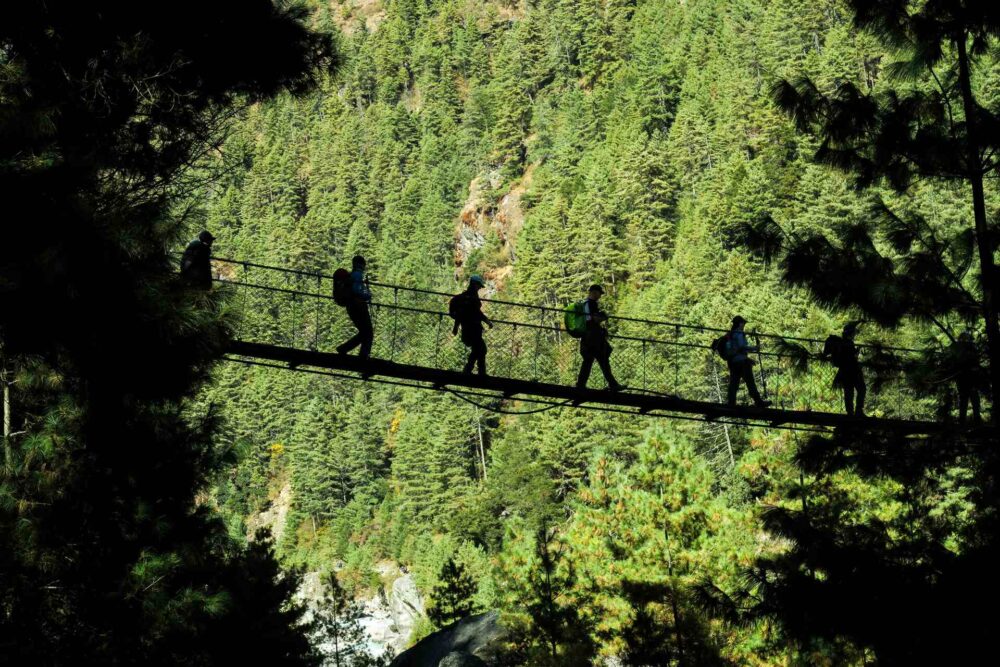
510	387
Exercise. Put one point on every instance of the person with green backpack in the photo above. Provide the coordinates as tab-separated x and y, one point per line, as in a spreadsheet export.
594	345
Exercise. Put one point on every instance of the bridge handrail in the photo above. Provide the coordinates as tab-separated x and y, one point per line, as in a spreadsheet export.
526	325
418	290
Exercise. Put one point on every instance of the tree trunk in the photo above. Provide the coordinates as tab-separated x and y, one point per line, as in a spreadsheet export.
983	241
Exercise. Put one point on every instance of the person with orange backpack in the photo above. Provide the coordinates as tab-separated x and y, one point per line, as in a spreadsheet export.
351	291
466	309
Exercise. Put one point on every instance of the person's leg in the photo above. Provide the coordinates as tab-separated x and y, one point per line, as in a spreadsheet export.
470	362
977	415
862	390
357	339
604	361
481	355
963	402
588	363
849	399
747	372
366	332
354	340
734	383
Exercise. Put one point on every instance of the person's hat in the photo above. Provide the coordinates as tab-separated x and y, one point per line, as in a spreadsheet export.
739	319
851	328
477	279
596	288
206	236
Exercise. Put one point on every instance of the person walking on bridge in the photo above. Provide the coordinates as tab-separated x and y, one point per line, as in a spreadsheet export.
843	353
737	354
594	345
357	311
196	262
466	309
963	357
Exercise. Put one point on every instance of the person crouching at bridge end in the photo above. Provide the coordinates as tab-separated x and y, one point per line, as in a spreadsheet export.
740	364
357	311
594	343
467	311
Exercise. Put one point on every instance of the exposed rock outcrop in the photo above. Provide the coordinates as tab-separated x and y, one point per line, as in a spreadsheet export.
274	517
470	642
481	218
406	606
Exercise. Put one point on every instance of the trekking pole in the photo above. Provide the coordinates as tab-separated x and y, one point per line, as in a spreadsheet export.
760	360
437	340
510	362
319	286
644	364
395	317
243	314
677	379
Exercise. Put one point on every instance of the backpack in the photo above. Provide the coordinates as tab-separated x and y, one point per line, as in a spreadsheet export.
575	319
460	307
342	292
722	346
833	349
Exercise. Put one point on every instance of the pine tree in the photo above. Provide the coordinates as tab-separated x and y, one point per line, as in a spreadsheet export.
452	597
108	557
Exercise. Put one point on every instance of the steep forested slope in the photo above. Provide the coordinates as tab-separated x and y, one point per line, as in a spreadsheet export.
546	144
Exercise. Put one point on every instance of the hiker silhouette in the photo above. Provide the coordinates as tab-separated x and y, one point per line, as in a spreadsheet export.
963	359
357	310
466	309
594	345
741	365
843	353
196	262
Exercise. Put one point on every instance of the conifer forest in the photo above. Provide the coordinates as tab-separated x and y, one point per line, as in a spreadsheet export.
824	174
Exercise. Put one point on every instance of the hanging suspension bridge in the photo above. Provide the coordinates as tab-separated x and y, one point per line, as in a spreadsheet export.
288	319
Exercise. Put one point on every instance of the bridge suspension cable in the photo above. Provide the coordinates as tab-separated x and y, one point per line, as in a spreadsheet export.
289	316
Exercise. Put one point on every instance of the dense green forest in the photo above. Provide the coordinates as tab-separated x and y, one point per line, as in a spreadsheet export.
547	145
802	164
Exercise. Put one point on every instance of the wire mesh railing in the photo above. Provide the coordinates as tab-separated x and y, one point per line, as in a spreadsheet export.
293	308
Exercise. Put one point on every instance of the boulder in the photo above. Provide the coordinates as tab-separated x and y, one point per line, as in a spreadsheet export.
461	659
470	642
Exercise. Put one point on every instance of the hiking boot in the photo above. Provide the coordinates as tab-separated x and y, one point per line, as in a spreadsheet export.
762	404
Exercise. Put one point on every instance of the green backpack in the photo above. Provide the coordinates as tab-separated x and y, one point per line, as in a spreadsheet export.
575	319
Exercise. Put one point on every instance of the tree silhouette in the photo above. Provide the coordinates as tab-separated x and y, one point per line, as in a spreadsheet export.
937	130
451	599
108	558
886	534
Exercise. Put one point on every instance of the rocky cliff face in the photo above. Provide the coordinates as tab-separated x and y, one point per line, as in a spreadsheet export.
388	617
273	517
483	221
